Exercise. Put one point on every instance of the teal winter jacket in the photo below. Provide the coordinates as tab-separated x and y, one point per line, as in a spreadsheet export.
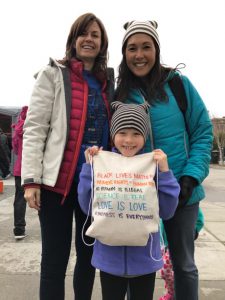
188	152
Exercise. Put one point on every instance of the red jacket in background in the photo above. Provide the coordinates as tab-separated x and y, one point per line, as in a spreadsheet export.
17	140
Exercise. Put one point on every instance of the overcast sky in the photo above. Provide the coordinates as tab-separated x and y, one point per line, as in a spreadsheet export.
190	32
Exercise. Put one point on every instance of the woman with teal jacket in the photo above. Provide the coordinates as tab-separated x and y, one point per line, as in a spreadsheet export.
187	142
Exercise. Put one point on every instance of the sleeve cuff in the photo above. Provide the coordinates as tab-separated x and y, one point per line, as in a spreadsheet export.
32	185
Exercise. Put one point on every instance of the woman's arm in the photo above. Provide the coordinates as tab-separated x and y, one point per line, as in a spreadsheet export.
36	126
200	134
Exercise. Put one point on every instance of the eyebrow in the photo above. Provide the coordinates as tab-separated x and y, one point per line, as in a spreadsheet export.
147	42
93	31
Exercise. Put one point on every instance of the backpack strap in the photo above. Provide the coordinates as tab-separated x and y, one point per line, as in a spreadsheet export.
179	93
110	88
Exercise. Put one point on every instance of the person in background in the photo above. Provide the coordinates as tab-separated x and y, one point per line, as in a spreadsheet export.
68	112
142	78
118	268
4	155
19	201
166	272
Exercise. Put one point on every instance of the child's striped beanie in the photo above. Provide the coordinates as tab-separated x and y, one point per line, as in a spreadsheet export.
130	116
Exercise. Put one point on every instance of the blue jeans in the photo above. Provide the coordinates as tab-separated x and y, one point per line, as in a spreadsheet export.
180	231
56	222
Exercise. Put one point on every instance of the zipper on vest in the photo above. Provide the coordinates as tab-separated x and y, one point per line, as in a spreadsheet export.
78	145
150	123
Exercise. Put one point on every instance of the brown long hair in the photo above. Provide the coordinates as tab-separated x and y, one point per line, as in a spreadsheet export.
152	85
77	29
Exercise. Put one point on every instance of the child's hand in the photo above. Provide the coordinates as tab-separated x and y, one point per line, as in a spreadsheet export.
91	152
161	158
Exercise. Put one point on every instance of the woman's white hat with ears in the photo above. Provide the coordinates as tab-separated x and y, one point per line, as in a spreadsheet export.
147	27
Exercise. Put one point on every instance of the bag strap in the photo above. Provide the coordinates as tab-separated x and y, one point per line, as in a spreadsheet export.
89	206
177	88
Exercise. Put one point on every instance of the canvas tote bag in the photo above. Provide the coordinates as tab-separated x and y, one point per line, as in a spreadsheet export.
125	206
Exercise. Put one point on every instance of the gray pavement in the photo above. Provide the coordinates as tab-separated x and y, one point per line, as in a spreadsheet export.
20	260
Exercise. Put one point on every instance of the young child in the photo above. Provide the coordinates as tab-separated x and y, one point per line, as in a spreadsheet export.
167	269
133	265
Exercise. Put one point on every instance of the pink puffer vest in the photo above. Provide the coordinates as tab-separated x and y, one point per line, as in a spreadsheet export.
79	103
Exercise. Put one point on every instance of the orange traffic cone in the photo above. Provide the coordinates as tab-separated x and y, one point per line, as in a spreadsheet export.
1	186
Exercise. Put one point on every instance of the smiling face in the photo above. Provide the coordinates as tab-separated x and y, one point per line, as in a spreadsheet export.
129	142
88	45
140	54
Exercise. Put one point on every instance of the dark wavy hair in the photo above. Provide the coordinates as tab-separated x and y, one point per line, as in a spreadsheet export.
151	86
77	29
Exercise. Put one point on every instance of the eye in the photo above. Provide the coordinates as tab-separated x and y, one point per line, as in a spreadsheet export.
148	46
84	33
131	49
121	132
95	35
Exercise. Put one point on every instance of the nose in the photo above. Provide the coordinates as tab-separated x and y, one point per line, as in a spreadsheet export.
128	138
88	37
139	54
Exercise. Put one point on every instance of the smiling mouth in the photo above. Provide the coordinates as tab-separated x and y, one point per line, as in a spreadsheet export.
140	65
87	47
129	147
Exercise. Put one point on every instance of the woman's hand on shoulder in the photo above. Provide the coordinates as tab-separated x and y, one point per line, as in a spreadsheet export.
161	158
91	152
